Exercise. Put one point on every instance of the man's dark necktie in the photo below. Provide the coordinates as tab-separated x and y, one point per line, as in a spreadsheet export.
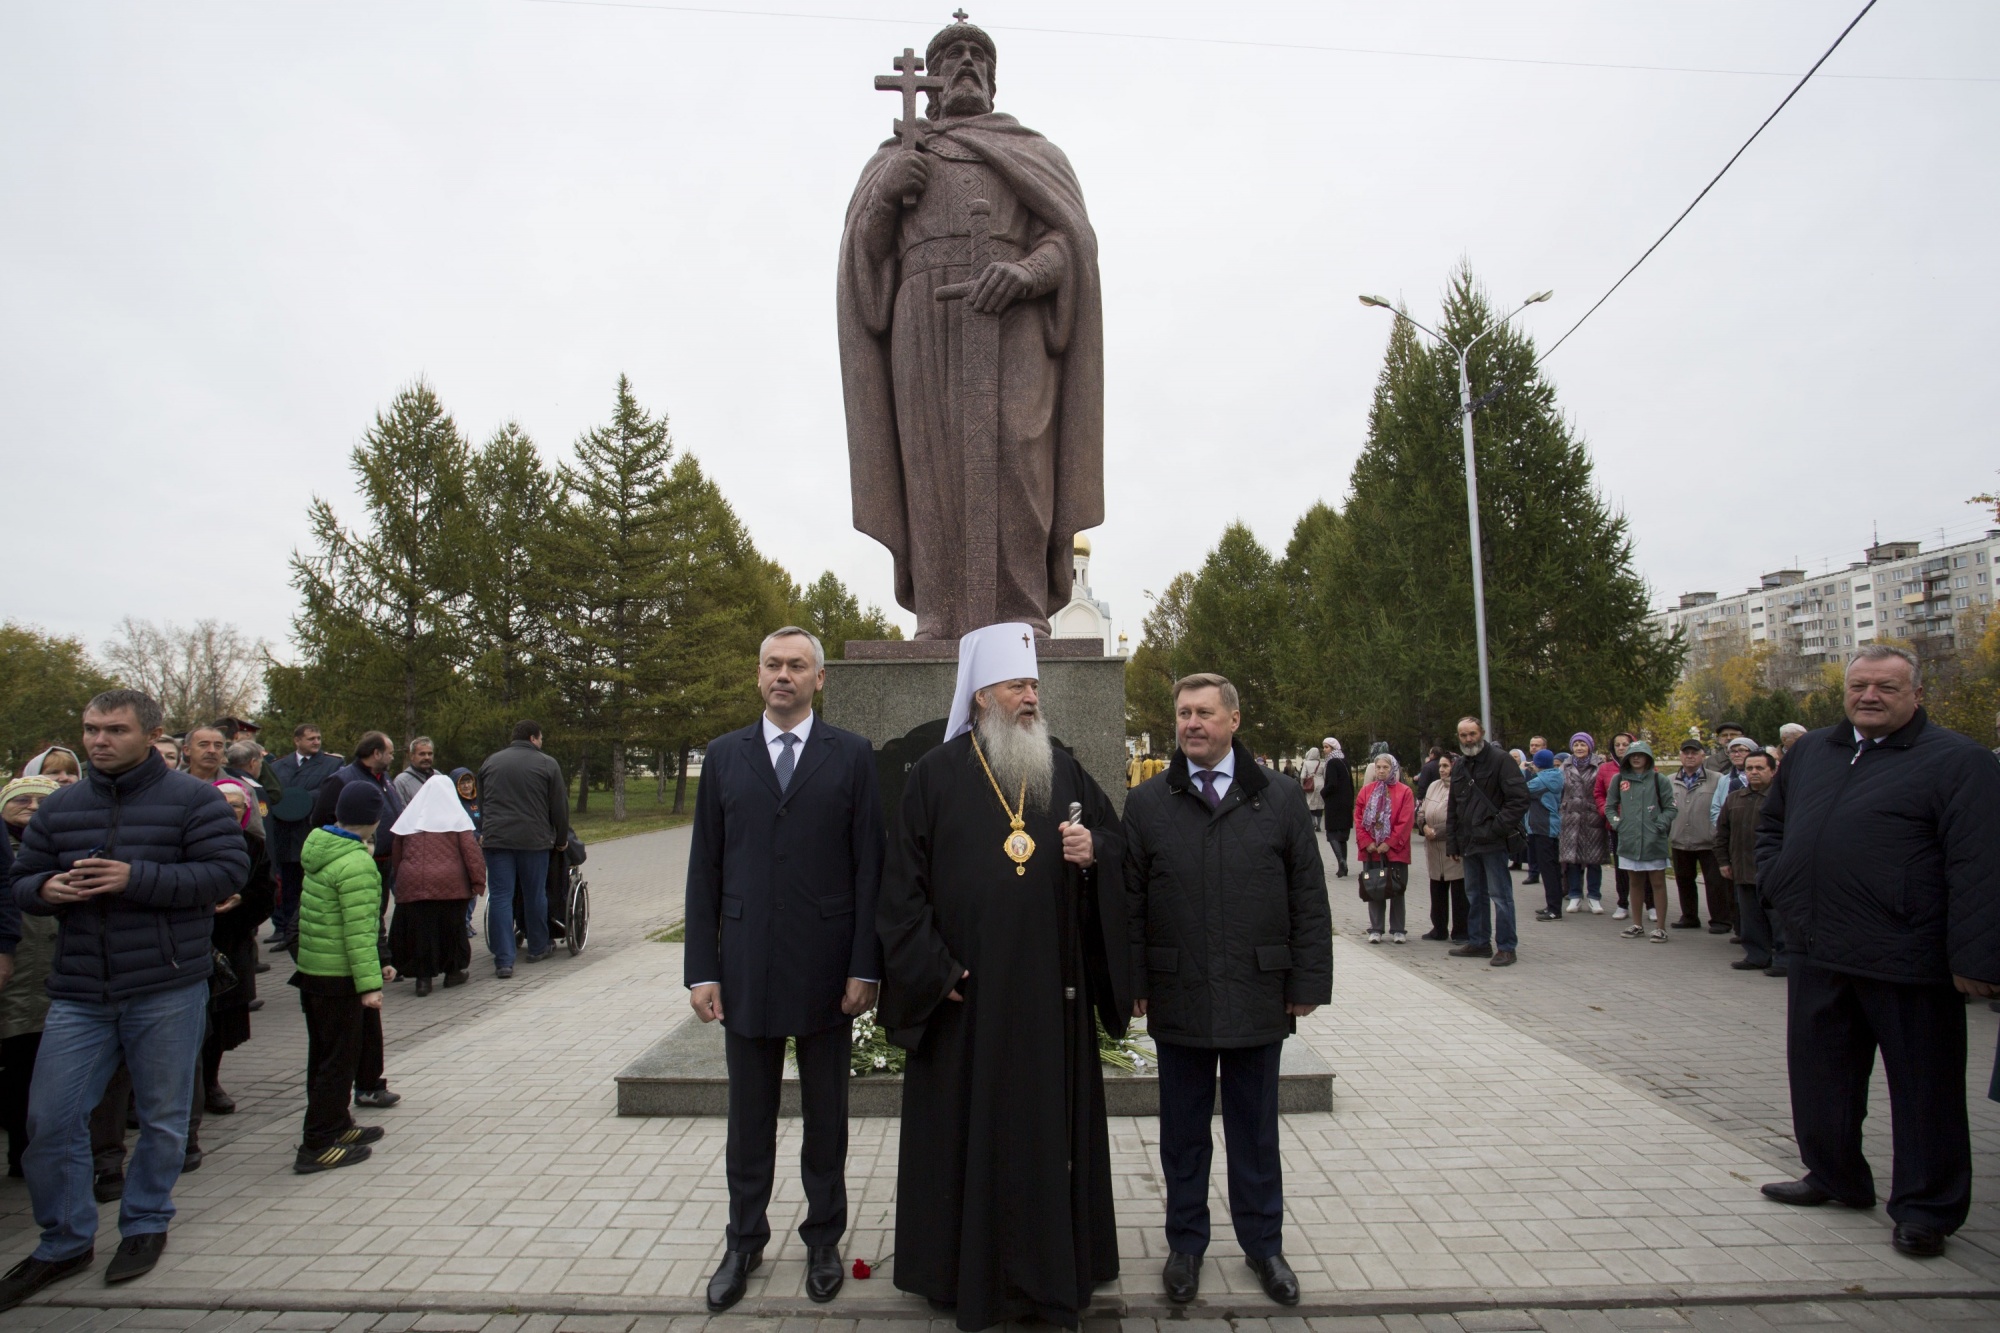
1206	776
786	761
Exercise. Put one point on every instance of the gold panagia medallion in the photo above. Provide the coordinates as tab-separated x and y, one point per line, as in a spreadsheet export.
1019	847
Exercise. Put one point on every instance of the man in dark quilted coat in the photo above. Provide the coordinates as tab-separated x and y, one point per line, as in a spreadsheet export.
131	862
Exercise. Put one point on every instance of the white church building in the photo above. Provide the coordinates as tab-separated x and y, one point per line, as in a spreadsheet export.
1085	617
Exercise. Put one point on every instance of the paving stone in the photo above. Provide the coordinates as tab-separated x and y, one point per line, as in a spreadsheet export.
1727	1319
442	1321
1574	1321
1497	1321
1654	1317
1800	1312
1352	1323
305	1321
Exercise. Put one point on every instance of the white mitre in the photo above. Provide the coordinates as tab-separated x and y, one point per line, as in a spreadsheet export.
987	657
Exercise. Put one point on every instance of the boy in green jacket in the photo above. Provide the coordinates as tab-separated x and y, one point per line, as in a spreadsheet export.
340	973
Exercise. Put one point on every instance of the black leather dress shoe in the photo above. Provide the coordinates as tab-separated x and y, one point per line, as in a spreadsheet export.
823	1273
726	1287
1182	1277
1471	951
1918	1242
1804	1194
1279	1282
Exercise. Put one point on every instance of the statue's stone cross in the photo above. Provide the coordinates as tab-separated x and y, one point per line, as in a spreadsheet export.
909	81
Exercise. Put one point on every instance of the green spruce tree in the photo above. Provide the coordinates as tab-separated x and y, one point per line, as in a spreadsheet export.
611	558
380	630
1565	609
516	508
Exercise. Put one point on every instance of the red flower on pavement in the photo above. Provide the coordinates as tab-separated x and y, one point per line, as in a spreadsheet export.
861	1268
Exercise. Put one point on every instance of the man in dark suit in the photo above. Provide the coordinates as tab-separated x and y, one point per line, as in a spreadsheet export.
781	890
300	774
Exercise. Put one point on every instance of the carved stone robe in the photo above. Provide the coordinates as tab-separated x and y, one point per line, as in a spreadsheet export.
901	371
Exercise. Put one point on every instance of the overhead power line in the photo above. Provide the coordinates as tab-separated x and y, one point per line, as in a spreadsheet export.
1265	45
1803	80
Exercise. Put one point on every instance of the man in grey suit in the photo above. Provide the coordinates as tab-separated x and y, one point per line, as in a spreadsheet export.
782	882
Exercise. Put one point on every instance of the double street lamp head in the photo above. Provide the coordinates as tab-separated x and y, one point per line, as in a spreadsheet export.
1381	304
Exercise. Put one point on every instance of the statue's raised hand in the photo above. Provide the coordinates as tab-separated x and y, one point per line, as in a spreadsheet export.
1000	286
905	177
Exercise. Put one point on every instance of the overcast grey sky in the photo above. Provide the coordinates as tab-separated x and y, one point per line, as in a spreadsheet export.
230	232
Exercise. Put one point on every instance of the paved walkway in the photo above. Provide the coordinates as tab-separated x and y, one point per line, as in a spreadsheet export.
1502	1142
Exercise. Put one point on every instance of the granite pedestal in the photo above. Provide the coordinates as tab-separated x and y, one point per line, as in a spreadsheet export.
685	1073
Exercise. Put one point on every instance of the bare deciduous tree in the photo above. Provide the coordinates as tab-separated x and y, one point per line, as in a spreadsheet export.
205	671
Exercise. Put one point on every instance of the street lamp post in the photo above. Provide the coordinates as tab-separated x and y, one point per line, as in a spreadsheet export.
1471	483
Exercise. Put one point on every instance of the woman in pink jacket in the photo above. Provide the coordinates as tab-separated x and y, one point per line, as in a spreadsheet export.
1384	812
438	871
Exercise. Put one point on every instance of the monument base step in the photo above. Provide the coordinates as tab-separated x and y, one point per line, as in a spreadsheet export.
685	1073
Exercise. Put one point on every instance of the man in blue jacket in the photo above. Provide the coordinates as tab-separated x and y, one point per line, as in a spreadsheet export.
782	882
132	861
1879	848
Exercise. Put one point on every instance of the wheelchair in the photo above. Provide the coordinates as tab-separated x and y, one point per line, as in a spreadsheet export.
568	895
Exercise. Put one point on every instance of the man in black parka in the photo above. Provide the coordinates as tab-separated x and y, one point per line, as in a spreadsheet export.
131	862
1879	848
1232	943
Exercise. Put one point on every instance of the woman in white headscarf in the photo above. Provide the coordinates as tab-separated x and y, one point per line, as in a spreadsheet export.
438	870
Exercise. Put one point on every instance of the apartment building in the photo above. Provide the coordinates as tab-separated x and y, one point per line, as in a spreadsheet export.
1924	601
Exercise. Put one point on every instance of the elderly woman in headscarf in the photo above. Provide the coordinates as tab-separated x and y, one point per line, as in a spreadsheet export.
1584	839
24	997
438	870
1384	814
58	762
1337	782
236	921
1448	905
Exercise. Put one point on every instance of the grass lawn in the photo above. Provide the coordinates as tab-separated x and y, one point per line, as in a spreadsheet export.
642	814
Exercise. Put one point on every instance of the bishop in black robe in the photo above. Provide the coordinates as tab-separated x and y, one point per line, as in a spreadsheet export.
1003	1194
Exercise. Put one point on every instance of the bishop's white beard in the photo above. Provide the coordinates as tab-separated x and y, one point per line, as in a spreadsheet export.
1018	755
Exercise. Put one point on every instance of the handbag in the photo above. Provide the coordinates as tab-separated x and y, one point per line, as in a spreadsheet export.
223	977
1374	880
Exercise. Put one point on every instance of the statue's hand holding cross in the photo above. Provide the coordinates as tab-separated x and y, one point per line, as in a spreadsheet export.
909	176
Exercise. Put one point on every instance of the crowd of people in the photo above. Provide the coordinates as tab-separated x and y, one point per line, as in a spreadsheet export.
1563	817
1859	861
139	875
